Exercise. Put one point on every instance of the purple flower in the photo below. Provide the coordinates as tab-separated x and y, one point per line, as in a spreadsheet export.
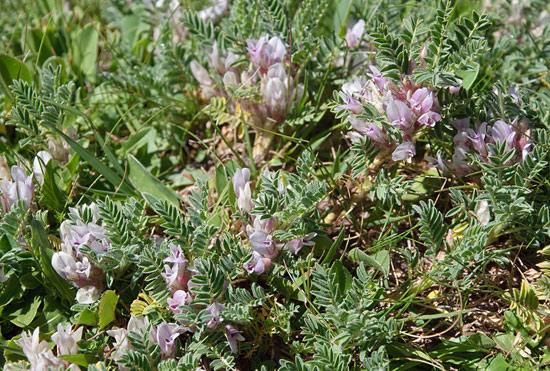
377	135
404	151
257	264
240	178
354	34
165	335
233	335
241	186
176	256
350	104
213	314
502	132
429	118
400	115
264	53
262	243
380	81
295	245
180	298
513	92
349	94
274	95
422	101
478	140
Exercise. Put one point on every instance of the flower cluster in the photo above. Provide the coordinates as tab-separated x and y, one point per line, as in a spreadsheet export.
20	187
476	141
407	106
269	75
39	353
82	229
260	232
178	278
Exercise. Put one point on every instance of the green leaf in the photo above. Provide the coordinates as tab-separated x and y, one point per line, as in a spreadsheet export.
84	50
51	315
223	179
340	16
80	359
138	140
468	76
380	260
87	317
131	28
23	316
52	195
12	69
144	182
42	249
342	277
100	167
107	307
334	247
498	363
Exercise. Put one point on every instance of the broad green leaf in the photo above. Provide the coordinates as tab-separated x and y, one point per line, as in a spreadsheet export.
52	196
498	363
51	315
94	162
342	276
335	246
12	69
24	315
380	260
340	16
80	359
107	307
42	250
84	50
87	317
223	178
144	182
138	140
468	76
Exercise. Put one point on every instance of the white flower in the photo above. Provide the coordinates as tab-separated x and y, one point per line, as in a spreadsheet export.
66	339
87	295
39	165
38	353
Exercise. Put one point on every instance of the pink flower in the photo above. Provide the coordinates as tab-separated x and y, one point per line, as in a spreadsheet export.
264	53
400	115
233	335
165	335
422	101
176	256
179	299
404	151
257	264
429	118
213	314
354	34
